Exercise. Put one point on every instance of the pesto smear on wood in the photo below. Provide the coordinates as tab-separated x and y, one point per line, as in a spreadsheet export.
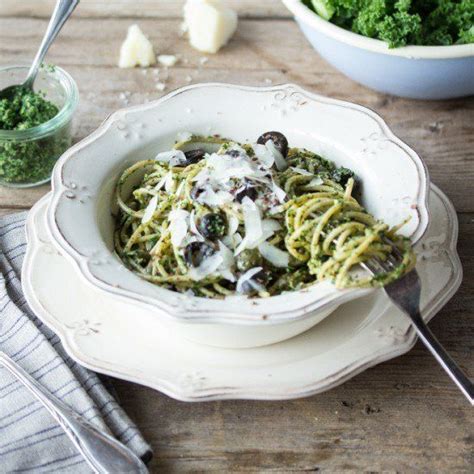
29	160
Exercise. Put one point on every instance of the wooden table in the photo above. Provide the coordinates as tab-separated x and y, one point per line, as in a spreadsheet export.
403	415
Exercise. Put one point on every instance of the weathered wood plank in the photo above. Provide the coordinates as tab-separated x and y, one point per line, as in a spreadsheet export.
137	8
441	132
18	198
7	211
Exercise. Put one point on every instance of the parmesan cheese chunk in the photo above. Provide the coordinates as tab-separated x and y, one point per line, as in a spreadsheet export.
136	50
167	60
209	24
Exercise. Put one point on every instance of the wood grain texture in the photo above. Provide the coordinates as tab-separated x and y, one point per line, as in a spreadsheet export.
137	8
401	416
441	132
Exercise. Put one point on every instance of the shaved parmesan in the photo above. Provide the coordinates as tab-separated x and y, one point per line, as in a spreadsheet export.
246	278
215	199
207	267
172	157
256	229
242	245
225	269
279	193
270	226
161	182
150	210
232	225
136	50
233	241
265	156
178	220
301	171
274	255
280	161
169	183
226	167
193	227
315	182
252	221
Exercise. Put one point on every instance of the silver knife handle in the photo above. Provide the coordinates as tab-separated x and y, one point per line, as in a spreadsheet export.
103	453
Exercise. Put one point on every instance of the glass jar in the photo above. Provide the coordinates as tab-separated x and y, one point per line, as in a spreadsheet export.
27	157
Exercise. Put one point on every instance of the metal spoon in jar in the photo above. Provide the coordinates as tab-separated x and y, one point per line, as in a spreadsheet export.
62	11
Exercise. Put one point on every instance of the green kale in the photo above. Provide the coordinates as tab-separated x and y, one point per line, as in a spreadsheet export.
402	22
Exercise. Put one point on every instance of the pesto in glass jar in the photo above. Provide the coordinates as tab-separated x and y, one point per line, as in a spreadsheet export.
35	126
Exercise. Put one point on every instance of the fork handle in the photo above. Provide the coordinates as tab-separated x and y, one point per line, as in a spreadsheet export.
446	361
102	452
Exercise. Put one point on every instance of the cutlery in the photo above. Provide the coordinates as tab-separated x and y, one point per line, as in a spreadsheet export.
102	452
62	11
405	294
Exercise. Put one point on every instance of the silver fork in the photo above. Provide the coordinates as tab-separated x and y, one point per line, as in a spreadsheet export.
405	294
102	452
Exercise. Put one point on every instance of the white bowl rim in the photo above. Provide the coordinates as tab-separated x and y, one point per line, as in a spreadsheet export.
301	11
261	314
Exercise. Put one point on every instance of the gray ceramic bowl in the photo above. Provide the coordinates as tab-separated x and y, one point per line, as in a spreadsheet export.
417	72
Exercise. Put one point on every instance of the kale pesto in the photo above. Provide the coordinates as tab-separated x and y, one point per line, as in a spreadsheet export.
30	159
26	109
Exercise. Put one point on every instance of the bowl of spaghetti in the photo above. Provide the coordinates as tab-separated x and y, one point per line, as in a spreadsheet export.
238	215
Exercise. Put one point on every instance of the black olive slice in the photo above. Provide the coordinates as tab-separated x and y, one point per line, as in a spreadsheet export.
212	226
196	191
194	156
248	190
278	139
233	153
196	252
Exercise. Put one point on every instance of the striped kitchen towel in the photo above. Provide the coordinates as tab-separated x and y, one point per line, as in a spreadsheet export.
30	439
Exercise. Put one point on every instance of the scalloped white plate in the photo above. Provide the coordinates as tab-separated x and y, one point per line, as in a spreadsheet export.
126	341
395	187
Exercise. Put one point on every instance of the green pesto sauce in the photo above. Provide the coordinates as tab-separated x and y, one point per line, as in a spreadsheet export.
32	160
26	109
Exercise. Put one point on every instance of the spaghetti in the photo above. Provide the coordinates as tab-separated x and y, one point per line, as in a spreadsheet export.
213	218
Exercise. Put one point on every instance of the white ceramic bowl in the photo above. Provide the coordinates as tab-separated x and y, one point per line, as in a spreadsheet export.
395	186
418	72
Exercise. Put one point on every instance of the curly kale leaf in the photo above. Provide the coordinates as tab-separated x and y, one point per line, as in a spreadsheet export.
403	22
